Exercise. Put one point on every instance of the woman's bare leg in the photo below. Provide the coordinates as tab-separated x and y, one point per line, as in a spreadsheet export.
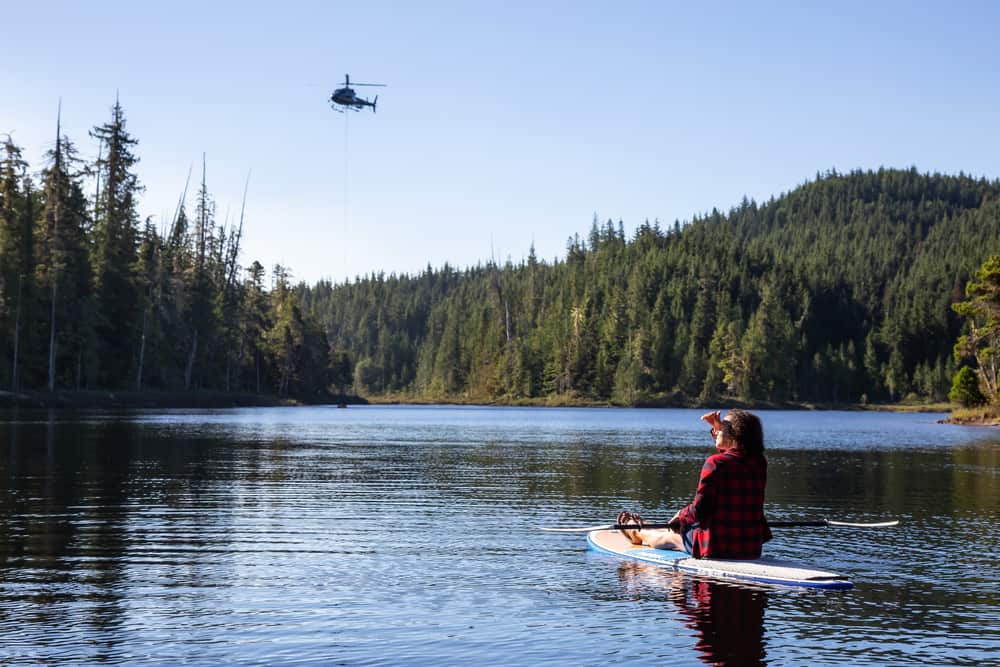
663	538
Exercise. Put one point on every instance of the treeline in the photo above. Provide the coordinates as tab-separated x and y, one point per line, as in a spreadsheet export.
91	297
839	291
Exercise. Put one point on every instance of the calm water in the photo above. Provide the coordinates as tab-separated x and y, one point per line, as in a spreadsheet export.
406	535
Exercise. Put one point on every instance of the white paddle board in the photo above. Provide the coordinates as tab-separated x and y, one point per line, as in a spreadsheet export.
762	570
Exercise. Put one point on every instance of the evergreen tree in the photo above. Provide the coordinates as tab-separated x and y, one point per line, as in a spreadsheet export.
201	315
115	251
149	273
769	345
16	254
62	267
965	389
255	322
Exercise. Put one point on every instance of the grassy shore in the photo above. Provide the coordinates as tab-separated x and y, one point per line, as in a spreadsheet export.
670	400
965	417
983	416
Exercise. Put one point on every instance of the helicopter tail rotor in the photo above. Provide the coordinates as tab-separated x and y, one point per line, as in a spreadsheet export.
374	102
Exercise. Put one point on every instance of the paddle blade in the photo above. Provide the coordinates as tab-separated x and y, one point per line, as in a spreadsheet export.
883	524
577	530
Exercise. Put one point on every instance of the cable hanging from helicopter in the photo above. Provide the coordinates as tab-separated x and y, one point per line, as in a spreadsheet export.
344	99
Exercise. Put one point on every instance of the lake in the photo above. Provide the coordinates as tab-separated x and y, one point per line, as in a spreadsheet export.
408	535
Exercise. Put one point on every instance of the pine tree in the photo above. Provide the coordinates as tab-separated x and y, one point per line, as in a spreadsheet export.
115	250
255	322
149	273
17	254
62	267
201	314
965	389
770	348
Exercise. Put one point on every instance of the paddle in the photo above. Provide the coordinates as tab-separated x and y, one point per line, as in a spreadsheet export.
773	524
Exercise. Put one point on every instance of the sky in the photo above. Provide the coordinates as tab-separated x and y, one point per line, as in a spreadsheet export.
501	125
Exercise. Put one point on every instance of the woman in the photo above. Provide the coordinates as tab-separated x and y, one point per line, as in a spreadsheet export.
726	517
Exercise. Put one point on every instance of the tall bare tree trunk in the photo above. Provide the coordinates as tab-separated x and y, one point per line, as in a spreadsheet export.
52	337
55	249
142	351
15	380
190	361
238	372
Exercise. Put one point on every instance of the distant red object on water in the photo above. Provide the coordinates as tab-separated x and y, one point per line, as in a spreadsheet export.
342	405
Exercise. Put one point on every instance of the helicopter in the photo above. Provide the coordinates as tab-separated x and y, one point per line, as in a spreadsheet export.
345	97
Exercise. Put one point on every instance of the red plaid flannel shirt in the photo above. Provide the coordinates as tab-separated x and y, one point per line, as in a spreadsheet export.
727	513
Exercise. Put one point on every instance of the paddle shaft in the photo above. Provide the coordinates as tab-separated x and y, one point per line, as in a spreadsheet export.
822	523
773	524
819	523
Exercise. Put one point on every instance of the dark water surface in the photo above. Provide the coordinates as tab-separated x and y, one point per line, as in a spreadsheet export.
406	535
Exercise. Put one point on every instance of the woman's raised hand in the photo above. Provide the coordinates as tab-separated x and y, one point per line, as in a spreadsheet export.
714	419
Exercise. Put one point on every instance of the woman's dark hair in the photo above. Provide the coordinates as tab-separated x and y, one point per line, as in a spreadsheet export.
747	431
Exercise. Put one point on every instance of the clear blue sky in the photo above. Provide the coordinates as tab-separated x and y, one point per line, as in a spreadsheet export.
505	123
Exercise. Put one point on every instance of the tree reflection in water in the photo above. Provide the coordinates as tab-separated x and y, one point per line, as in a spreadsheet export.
728	619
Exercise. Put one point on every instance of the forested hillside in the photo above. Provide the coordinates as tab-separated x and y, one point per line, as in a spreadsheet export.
838	291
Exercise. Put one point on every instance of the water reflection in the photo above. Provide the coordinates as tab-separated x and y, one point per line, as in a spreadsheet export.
409	535
727	619
92	511
63	532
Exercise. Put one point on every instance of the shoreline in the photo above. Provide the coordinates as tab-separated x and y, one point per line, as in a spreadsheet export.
93	399
970	422
156	399
982	416
659	402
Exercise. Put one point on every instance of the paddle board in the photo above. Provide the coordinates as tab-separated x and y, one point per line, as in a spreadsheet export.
763	570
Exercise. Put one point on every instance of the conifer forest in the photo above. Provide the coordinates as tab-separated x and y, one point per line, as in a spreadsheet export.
839	291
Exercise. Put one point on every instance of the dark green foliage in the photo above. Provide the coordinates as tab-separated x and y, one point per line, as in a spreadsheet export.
115	243
838	289
62	266
16	260
965	389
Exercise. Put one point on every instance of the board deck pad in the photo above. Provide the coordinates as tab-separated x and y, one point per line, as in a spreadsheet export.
763	570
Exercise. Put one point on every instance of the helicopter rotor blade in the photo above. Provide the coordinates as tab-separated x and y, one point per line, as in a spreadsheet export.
347	82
